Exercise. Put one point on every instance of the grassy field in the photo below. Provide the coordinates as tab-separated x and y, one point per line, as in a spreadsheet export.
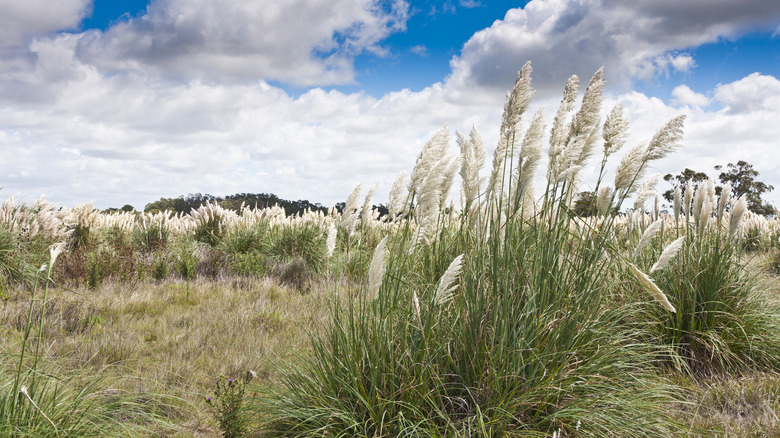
509	316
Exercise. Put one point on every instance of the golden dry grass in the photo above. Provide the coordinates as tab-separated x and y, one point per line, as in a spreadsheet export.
176	339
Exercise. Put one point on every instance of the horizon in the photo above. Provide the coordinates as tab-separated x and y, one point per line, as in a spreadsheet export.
128	102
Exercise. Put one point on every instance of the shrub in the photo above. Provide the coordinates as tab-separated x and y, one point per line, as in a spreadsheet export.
300	241
721	324
186	259
521	339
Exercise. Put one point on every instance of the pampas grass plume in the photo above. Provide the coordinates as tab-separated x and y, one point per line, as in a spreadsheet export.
376	271
444	292
330	243
604	200
666	139
629	169
647	236
615	131
736	216
398	195
725	196
650	287
668	255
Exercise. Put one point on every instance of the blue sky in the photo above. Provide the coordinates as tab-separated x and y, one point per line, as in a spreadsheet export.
127	101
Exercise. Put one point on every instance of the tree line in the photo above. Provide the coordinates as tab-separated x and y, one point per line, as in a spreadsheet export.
742	177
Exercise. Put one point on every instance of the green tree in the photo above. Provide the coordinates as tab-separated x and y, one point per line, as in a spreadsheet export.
585	205
742	177
682	179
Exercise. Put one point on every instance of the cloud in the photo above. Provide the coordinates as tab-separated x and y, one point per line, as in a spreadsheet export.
683	95
420	50
133	137
181	100
301	42
752	93
23	20
633	40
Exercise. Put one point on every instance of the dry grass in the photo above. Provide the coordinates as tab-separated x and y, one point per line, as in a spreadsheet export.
738	405
176	339
731	406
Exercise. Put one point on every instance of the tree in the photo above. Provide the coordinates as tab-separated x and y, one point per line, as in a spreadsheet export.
586	205
742	177
682	179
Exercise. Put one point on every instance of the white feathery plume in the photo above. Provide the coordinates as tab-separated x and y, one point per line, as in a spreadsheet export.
398	195
689	190
55	250
496	174
604	200
666	139
647	236
517	102
646	191
668	254
630	170
367	206
559	132
376	271
705	212
725	196
709	186
433	151
590	143
737	212
416	306
615	131
351	213
530	152
447	284
472	152
569	173
446	183
585	126
698	202
330	243
657	207
650	287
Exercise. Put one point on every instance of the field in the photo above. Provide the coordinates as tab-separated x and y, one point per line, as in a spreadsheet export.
507	316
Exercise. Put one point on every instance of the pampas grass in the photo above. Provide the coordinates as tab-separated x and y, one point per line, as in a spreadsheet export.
376	271
648	235
668	254
444	292
650	287
737	213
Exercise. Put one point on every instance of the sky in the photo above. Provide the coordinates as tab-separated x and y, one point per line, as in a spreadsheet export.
125	102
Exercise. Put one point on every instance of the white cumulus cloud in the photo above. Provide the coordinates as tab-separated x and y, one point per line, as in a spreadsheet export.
302	42
633	40
683	95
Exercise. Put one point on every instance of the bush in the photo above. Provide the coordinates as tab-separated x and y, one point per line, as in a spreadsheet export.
521	339
721	324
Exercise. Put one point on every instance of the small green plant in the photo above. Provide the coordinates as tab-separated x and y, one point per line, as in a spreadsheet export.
226	405
160	266
186	259
250	264
97	268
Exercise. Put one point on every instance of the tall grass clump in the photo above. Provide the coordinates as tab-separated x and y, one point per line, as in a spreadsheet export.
496	322
35	403
722	323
